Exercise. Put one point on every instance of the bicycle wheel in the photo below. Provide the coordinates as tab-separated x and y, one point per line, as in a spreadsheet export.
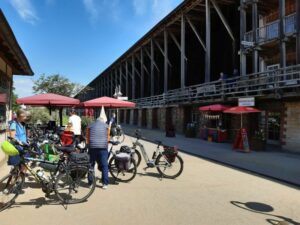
73	185
169	170
122	175
10	187
137	157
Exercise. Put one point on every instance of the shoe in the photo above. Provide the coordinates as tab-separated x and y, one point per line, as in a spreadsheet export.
104	186
5	191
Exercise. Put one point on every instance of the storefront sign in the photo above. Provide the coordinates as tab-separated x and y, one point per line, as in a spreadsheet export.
247	101
125	98
245	140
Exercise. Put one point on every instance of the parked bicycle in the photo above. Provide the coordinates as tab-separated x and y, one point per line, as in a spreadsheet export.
167	161
67	177
117	133
122	165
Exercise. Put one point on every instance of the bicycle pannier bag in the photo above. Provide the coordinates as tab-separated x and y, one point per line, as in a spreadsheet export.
126	149
80	159
170	154
123	161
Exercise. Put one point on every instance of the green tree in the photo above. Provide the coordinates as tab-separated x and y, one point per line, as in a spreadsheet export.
14	97
56	84
38	115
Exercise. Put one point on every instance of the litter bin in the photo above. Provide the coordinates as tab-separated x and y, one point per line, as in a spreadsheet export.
190	130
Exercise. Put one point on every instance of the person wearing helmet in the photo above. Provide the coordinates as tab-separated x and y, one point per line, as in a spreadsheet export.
17	131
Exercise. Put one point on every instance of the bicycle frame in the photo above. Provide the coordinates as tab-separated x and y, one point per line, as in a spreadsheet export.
144	153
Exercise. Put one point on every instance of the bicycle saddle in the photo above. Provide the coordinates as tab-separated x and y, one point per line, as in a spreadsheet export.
114	142
66	148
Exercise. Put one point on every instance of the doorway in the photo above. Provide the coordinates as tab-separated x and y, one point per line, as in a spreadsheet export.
273	127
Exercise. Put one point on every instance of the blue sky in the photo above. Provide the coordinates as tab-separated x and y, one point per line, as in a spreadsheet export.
78	38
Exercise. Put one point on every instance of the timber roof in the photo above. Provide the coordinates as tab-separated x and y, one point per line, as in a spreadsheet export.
11	50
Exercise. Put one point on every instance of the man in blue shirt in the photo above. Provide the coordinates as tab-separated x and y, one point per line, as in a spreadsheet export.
97	139
17	131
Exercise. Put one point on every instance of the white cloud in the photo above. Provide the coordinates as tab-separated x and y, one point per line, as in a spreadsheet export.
23	86
90	7
107	8
140	7
156	8
26	10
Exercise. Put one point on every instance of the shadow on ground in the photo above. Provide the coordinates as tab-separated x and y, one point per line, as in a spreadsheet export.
261	208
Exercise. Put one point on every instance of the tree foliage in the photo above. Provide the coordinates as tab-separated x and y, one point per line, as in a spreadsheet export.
14	97
56	84
39	115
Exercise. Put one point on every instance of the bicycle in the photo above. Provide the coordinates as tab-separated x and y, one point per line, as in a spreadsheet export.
66	179
165	161
122	167
117	133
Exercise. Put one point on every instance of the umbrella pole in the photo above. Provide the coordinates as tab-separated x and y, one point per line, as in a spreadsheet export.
117	115
241	120
60	117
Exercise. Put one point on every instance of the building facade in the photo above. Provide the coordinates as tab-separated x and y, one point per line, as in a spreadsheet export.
176	67
12	62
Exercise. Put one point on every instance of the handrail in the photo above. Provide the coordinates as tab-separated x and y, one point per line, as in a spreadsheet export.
270	31
251	84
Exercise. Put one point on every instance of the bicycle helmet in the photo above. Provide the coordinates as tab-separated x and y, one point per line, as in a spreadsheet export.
9	149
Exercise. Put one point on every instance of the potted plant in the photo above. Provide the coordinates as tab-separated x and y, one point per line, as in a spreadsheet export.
258	141
85	121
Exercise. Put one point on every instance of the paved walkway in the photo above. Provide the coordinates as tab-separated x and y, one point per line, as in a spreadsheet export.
282	166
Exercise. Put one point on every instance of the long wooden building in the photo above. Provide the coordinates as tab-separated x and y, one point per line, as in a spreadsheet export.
176	66
12	62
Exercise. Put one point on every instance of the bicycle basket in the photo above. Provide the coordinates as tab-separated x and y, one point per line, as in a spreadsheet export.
170	153
67	138
9	149
123	161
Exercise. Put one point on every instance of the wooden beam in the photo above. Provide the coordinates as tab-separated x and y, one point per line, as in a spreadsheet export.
196	32
182	55
208	41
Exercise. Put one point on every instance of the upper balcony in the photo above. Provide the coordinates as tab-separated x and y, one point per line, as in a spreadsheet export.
269	84
270	31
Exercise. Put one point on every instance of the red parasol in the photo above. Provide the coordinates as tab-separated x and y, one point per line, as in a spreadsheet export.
241	110
48	99
214	108
108	102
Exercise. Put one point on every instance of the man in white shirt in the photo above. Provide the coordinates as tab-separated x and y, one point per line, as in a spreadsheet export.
75	123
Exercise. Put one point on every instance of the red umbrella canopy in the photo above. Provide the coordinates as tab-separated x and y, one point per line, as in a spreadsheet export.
108	102
48	99
241	110
214	108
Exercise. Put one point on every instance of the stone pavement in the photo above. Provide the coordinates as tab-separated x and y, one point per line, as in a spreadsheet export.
272	163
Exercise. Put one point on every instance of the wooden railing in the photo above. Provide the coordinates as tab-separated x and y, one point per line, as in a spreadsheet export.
256	84
270	31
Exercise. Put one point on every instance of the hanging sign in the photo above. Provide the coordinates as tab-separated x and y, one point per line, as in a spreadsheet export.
247	101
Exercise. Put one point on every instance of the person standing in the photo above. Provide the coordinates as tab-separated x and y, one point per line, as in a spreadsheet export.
17	131
97	140
75	125
112	125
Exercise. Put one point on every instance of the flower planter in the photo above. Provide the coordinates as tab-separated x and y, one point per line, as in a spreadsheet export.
257	144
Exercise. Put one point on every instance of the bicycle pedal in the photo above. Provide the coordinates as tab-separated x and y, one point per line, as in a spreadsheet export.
145	168
150	165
